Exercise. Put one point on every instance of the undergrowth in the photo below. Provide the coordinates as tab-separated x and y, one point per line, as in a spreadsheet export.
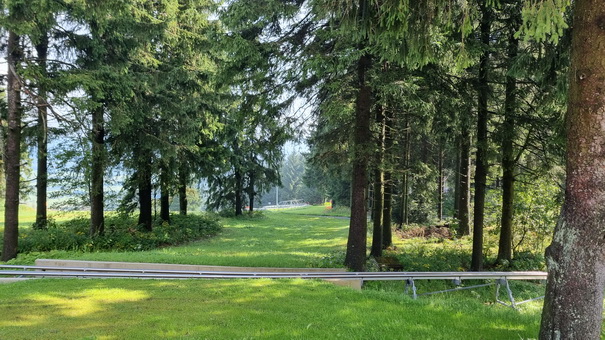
121	234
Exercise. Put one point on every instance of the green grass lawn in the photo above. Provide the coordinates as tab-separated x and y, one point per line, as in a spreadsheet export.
257	309
27	216
319	210
278	240
242	309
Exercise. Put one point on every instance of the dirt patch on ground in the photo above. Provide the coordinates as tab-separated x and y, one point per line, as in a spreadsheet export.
440	232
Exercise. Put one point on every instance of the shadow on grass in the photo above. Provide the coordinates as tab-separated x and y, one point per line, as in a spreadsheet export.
288	309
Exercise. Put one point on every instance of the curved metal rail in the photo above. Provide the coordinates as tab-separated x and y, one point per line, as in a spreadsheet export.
500	279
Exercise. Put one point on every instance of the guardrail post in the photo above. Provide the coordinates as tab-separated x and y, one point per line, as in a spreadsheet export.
410	283
504	282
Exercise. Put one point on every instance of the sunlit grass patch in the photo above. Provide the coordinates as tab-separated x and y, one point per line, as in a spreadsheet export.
89	301
238	309
275	240
319	210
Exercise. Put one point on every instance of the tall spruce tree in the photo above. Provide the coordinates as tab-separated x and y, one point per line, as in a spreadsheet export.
576	276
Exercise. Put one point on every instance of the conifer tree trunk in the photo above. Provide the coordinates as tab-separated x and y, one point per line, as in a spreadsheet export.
238	192
406	169
505	252
464	185
42	138
573	304
378	191
440	183
97	220
457	179
183	177
387	234
164	195
251	192
481	169
356	244
145	191
12	160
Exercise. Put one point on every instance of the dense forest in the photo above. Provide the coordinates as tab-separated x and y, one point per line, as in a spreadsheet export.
413	112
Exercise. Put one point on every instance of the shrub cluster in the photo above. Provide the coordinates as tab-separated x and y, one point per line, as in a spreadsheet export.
121	234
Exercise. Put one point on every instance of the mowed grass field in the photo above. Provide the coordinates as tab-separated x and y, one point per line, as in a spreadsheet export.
281	239
249	309
242	309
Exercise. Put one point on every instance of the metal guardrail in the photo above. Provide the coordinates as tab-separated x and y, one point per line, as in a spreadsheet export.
500	279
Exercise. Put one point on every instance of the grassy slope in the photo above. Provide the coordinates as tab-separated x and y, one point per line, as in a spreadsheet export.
279	240
137	309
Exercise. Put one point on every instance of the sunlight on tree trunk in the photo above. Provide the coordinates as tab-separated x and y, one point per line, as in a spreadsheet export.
576	258
12	152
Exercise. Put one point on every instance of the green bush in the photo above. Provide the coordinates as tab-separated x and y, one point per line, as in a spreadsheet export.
121	234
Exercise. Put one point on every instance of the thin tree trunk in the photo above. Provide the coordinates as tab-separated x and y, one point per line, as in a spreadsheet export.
378	191
251	192
457	179
387	235
97	219
440	183
573	305
505	252
164	194
42	138
13	151
238	192
183	179
145	191
482	142
406	169
356	244
464	227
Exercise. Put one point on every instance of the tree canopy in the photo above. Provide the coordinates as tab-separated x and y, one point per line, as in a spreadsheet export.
431	112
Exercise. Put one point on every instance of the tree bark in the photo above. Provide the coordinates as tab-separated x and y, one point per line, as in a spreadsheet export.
377	227
457	179
42	138
573	304
164	194
183	179
505	252
482	141
145	191
13	151
97	219
464	227
356	244
251	192
238	192
406	169
440	183
387	234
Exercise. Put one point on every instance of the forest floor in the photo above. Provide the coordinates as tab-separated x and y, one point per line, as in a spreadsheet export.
262	309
